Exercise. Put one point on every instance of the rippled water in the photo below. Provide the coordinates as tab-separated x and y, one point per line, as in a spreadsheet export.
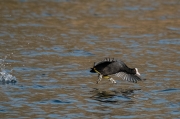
49	47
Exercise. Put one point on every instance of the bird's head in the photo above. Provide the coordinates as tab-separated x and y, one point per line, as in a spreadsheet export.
92	70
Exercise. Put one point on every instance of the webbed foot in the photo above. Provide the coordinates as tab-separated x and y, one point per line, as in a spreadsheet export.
99	78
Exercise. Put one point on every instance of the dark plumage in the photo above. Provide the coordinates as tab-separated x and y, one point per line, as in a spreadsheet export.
117	68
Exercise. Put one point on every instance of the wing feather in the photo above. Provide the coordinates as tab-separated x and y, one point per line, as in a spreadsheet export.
128	77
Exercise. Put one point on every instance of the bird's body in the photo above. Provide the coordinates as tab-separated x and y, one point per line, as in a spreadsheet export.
115	67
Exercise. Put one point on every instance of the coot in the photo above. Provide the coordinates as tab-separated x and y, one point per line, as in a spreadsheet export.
115	67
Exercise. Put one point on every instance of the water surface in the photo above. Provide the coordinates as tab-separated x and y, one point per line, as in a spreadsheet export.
49	47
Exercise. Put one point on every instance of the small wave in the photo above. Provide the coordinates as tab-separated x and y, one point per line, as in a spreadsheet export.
7	78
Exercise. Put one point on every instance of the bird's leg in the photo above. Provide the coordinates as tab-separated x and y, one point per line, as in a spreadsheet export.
99	78
112	80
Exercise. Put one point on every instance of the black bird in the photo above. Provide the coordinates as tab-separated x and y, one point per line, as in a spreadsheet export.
115	67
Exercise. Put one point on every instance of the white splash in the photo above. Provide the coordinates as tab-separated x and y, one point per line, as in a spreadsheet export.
5	77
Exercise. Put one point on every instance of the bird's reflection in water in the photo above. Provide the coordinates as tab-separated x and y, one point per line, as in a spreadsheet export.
113	96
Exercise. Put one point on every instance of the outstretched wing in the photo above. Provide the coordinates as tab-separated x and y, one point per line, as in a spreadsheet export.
111	66
106	60
128	77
